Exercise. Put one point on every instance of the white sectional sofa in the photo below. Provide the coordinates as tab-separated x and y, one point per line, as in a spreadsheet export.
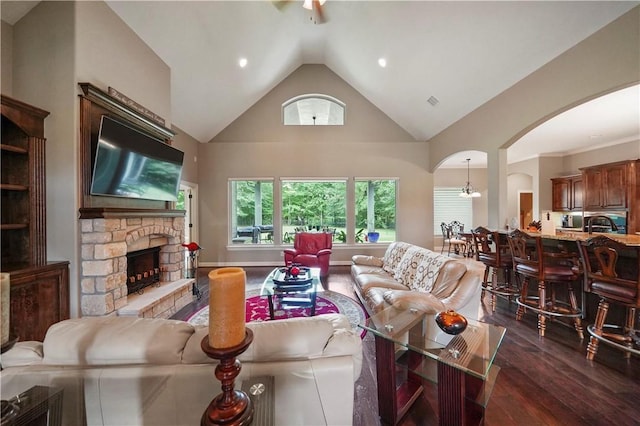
134	371
410	276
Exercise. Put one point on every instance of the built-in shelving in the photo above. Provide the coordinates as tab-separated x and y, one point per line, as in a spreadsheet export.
39	289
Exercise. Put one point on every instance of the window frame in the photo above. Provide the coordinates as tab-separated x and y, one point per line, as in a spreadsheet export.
232	218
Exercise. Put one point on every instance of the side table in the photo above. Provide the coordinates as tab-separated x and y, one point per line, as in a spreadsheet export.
37	406
410	348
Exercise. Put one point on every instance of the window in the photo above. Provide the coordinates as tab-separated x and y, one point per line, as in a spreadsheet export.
319	205
251	204
375	208
449	206
313	110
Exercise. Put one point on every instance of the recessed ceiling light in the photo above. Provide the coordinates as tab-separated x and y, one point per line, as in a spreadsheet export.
382	62
242	62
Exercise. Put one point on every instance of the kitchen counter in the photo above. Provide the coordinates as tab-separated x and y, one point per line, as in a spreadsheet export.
567	235
628	239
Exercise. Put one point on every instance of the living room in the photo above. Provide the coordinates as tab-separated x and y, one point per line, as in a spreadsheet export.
60	44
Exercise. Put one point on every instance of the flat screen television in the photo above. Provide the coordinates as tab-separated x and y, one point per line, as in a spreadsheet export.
131	164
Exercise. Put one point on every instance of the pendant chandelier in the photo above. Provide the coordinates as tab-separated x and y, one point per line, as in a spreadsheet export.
468	191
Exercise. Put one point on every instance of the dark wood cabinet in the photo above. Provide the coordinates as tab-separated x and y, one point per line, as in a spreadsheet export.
608	186
22	183
567	193
39	297
39	294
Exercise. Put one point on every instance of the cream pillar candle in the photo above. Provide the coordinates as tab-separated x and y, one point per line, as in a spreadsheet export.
5	306
226	307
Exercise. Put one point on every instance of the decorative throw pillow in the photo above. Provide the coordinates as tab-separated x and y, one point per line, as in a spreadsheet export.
393	256
406	270
427	271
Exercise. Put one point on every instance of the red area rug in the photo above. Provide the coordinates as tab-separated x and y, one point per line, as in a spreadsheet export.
327	302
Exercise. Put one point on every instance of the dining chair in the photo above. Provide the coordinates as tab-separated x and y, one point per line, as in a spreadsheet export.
452	238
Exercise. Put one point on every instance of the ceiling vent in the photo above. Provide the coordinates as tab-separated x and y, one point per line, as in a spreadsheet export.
433	101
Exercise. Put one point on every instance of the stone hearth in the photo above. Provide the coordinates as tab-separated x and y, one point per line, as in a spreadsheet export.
105	243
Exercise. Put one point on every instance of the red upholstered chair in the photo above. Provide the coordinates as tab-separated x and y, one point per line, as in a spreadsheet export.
311	249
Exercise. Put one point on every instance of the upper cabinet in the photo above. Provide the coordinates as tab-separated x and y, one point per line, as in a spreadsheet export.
609	186
567	193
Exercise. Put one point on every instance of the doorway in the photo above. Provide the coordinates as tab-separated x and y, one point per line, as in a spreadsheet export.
525	208
188	201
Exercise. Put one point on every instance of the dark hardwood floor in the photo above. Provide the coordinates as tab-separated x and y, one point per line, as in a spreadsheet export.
542	381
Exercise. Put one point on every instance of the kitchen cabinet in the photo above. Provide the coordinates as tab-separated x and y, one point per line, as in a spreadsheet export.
607	186
567	193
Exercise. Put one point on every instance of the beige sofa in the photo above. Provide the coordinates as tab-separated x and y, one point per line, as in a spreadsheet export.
415	277
132	371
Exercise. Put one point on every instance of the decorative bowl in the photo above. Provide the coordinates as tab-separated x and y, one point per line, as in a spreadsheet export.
451	322
372	237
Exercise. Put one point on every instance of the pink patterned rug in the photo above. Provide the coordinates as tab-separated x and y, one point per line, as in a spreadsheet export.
327	302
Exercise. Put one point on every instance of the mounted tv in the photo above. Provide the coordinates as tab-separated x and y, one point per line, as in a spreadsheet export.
131	164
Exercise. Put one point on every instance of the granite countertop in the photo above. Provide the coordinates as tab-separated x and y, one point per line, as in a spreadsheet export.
570	235
628	239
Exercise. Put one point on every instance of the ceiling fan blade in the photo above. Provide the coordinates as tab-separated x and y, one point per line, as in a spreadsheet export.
318	11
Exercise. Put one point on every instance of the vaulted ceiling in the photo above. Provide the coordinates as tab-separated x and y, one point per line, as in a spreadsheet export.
461	53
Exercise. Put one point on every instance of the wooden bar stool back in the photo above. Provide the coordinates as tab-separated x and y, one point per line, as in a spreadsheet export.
612	272
492	249
549	267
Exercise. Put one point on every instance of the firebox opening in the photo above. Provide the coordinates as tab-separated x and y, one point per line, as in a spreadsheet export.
143	269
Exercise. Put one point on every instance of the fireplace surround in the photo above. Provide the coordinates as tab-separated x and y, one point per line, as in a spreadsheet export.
105	242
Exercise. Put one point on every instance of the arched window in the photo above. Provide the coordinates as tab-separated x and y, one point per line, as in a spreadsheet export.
313	110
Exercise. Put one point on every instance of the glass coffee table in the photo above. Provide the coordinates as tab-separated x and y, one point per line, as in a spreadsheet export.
284	293
411	349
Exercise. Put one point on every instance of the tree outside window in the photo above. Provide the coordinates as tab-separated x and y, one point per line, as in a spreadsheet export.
318	206
251	211
375	208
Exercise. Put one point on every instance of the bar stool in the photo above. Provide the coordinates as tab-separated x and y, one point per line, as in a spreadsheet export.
612	272
550	268
492	249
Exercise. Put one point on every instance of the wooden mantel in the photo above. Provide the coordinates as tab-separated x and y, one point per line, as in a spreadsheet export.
115	212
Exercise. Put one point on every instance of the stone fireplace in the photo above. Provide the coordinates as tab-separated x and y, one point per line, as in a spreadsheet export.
106	241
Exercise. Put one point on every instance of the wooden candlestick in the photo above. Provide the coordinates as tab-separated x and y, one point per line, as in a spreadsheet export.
231	407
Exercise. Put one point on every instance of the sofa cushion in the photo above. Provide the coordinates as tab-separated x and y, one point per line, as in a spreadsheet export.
367	281
405	272
429	265
115	340
448	279
393	256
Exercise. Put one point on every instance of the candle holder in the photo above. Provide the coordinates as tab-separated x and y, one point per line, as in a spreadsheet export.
231	407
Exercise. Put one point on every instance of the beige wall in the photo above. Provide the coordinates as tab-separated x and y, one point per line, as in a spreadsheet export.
189	146
43	75
606	61
257	145
611	154
6	60
56	46
59	44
